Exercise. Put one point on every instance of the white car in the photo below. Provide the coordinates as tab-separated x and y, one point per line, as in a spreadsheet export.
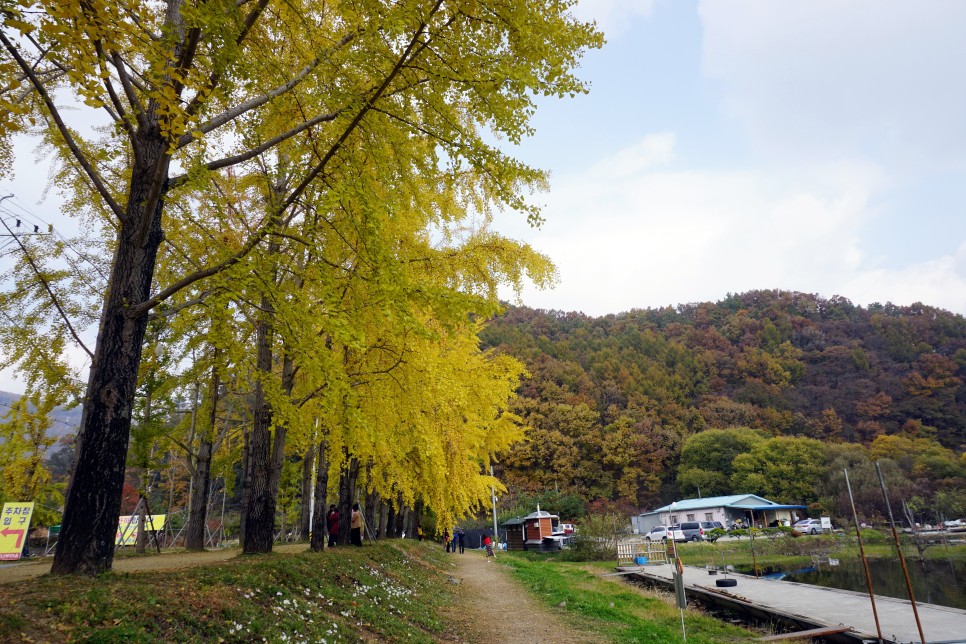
808	526
660	533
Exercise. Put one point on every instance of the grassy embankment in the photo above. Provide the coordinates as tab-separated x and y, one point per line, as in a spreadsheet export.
393	591
611	607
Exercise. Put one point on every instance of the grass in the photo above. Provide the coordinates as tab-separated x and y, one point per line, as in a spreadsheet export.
610	607
392	591
791	550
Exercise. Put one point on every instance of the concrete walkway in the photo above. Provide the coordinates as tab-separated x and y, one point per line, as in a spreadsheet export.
831	607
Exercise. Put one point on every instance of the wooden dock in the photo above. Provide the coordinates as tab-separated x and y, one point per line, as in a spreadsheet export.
812	607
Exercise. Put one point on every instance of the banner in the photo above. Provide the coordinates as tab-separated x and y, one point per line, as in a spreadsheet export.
127	528
14	529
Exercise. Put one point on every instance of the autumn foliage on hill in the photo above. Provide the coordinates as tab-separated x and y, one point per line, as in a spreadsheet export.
614	403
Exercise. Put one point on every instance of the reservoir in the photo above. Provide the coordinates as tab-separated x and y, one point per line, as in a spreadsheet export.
934	581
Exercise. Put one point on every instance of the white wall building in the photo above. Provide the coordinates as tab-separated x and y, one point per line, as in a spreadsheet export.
750	508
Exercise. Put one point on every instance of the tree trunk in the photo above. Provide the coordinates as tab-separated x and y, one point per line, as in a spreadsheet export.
390	521
309	506
417	516
246	486
280	434
317	542
201	489
347	491
142	528
372	502
383	517
260	524
93	499
409	527
400	520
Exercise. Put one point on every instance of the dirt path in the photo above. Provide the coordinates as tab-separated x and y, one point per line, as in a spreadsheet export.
493	608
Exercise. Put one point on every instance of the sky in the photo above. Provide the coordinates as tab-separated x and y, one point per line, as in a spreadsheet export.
731	145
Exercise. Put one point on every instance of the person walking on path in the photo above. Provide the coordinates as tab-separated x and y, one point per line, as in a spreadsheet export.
332	522
460	538
446	539
488	544
355	525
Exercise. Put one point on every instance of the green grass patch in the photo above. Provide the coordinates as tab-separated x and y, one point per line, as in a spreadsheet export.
391	591
610	607
787	550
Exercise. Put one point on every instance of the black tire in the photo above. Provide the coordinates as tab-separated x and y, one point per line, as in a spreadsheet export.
813	531
725	583
647	538
695	538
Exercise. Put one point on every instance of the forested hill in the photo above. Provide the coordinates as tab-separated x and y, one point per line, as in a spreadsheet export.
62	421
612	399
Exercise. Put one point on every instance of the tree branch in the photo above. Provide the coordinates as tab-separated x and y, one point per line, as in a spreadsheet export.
50	292
257	101
215	77
254	152
317	170
64	131
275	220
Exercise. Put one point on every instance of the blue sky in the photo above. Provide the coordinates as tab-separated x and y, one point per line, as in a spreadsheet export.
729	145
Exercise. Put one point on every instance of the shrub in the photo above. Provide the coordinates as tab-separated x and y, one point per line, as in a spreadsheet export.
598	537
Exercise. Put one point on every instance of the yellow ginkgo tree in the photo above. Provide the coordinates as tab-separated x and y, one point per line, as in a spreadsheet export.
180	86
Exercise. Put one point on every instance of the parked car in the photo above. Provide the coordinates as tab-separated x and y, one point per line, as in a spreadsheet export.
808	526
697	530
660	533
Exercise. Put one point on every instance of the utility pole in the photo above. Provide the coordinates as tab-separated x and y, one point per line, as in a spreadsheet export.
496	535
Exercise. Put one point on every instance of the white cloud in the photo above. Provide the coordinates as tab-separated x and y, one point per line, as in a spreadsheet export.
613	17
830	78
652	151
939	282
647	236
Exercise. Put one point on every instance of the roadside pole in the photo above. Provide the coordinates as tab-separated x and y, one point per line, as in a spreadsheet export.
496	535
865	563
679	594
902	559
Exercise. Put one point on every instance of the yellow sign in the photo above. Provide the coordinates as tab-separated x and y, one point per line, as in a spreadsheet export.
14	528
127	528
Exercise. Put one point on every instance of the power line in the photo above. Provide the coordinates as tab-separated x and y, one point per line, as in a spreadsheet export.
28	214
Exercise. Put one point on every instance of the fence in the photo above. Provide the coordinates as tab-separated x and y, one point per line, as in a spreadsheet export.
656	552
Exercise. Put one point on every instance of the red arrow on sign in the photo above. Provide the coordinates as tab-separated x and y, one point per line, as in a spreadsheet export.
7	532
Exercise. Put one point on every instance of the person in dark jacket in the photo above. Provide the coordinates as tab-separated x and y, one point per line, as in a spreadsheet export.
332	522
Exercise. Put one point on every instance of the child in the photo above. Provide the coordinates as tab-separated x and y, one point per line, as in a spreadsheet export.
488	544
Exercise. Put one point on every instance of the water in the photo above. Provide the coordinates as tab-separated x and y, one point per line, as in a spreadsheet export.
934	581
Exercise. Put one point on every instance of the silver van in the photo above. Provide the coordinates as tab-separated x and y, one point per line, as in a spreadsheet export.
696	531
